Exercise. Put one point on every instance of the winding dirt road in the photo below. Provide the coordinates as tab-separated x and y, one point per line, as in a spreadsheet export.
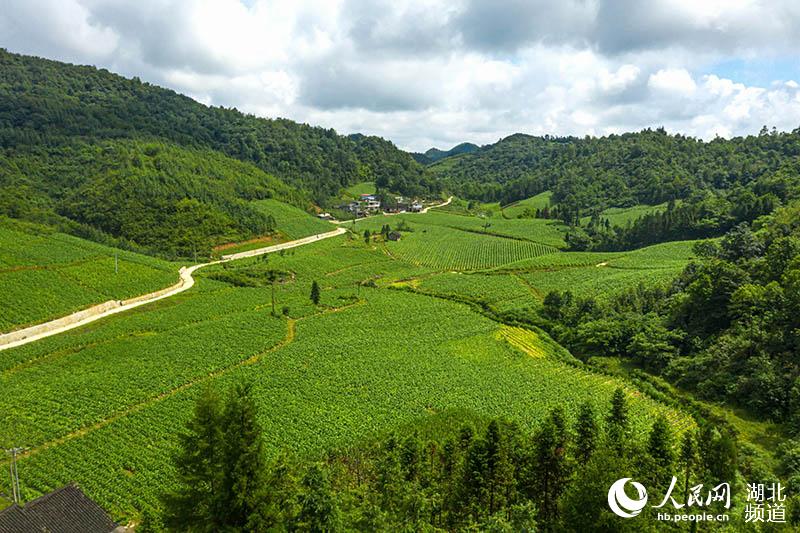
96	312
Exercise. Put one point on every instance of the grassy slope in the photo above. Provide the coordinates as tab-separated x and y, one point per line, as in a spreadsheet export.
293	222
45	275
326	377
534	202
365	187
621	216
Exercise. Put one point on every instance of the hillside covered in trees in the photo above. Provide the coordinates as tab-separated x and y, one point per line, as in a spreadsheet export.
114	156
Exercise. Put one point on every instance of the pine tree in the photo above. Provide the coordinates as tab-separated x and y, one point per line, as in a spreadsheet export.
315	292
499	471
367	236
192	505
242	489
585	433
617	422
687	460
474	484
319	511
280	506
410	457
659	448
550	464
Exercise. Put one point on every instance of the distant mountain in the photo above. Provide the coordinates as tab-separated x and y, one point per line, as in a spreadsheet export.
434	154
647	167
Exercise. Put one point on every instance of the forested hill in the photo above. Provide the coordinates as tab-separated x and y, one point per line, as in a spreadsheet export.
648	167
48	103
434	154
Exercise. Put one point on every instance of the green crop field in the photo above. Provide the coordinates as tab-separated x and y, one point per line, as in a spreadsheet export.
533	203
598	281
292	222
545	232
452	249
45	274
603	274
621	216
365	187
368	359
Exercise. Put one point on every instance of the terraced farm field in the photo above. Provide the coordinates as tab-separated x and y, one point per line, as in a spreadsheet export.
453	249
44	274
324	376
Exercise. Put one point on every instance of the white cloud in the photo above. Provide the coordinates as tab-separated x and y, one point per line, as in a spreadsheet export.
439	72
673	80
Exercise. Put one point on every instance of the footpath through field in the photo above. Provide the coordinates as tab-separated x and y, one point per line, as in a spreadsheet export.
96	312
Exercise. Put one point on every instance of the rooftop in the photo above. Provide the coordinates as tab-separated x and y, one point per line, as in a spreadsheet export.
66	510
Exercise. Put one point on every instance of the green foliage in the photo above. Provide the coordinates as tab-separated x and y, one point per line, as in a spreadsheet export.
649	167
527	208
45	274
290	221
139	373
164	198
46	102
220	467
454	249
318	508
315	292
356	190
194	505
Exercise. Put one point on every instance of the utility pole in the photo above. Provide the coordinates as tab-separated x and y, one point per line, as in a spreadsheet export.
116	262
15	491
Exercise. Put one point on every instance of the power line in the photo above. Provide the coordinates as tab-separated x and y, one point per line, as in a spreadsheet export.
15	490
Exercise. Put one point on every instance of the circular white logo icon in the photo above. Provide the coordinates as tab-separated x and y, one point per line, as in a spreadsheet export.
621	504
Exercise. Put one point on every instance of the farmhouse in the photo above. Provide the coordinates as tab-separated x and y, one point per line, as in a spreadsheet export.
65	510
369	202
416	207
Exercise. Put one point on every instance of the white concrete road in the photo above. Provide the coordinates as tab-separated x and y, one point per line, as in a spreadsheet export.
186	281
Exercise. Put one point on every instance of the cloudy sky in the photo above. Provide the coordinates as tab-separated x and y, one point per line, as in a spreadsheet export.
435	73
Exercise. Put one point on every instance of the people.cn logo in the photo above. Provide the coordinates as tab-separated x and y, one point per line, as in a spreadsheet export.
621	503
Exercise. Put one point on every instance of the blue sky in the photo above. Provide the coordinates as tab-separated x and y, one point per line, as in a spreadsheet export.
760	71
439	72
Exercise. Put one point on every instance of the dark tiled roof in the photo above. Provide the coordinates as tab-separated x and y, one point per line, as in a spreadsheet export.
66	510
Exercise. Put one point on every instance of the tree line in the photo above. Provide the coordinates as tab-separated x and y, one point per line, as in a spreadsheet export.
487	475
726	328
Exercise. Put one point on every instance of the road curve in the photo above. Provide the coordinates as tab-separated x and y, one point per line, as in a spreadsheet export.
96	312
421	212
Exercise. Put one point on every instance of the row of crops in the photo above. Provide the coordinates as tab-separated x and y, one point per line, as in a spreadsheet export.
349	372
48	275
345	377
453	249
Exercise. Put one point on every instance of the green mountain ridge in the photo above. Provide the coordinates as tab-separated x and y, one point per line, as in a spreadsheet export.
433	155
49	102
107	157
